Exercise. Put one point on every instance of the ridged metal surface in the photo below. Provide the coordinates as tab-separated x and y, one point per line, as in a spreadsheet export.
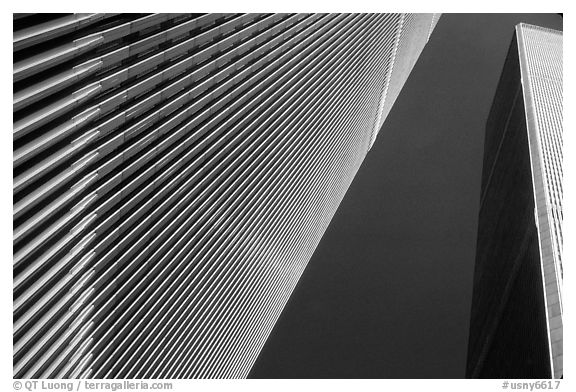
540	52
173	175
413	33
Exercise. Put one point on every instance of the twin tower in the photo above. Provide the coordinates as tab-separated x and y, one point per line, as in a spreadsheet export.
173	174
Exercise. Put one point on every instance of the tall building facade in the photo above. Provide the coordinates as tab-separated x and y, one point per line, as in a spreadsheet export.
516	319
173	174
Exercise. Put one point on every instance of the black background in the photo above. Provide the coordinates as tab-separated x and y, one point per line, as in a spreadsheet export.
387	292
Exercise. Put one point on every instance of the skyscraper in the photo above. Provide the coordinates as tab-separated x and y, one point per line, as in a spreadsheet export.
516	320
173	174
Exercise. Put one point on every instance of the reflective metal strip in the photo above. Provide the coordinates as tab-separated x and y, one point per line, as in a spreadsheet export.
52	29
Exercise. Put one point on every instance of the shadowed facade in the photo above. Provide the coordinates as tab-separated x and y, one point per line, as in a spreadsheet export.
516	318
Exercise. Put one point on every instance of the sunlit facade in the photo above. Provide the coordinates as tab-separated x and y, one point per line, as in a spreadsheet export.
173	174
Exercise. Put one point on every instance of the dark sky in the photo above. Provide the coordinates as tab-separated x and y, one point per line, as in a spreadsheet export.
387	292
